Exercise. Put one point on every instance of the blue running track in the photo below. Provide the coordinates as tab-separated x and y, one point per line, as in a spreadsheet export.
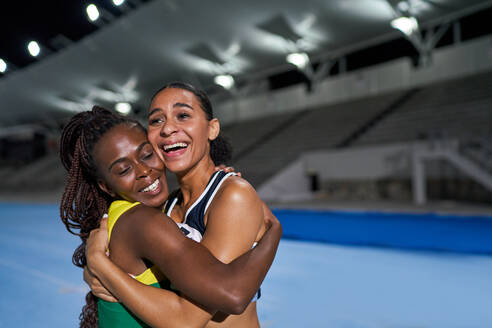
432	271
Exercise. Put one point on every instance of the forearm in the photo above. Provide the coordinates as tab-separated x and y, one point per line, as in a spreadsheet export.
157	307
229	288
261	257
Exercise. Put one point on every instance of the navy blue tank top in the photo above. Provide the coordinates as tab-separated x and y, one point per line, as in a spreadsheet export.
195	215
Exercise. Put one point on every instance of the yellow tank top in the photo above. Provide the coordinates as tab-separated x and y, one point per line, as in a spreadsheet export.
116	314
116	210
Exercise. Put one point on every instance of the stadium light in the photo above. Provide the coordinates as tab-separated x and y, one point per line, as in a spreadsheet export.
92	12
298	59
403	6
118	2
33	48
225	80
3	66
407	25
123	108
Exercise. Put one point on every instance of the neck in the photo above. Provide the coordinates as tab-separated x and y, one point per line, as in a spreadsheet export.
193	182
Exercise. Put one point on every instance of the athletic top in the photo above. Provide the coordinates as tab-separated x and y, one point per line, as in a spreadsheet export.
116	314
195	215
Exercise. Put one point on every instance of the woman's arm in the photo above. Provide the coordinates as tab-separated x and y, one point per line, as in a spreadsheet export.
229	232
159	307
191	268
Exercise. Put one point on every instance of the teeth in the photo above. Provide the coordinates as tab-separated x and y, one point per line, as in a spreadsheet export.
177	144
152	187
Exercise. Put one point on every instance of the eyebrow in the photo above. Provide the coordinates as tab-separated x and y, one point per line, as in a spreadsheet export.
178	104
154	110
119	160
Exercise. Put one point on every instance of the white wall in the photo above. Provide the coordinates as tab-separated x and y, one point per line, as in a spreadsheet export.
355	163
370	162
361	163
289	184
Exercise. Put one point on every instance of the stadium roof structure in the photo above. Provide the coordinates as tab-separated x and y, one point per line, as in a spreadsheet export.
133	50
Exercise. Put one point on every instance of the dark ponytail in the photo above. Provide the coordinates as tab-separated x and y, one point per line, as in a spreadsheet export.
220	148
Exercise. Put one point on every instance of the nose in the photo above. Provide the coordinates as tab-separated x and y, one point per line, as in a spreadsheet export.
143	171
168	128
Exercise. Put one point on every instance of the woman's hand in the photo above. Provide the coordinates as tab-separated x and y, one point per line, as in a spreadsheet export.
270	219
226	169
97	287
96	245
95	252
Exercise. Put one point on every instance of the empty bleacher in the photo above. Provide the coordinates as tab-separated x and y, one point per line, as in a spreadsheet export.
246	134
459	108
44	174
303	131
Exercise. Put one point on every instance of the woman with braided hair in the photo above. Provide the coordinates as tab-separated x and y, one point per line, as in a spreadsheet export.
113	169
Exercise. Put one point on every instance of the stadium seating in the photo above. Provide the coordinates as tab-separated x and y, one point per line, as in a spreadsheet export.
319	128
45	174
459	108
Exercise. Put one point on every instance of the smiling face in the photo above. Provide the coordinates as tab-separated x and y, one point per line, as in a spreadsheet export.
179	129
128	166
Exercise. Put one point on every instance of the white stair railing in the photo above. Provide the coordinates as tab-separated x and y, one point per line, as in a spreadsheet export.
443	150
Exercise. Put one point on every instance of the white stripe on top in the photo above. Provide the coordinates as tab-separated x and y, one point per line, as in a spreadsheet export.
201	196
217	188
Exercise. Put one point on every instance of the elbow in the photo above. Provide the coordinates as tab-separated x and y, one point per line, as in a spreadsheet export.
237	302
238	307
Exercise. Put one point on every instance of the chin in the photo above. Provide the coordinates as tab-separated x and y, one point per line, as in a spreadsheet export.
156	201
176	167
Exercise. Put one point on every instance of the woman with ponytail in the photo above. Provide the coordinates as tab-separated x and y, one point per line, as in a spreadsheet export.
221	206
112	168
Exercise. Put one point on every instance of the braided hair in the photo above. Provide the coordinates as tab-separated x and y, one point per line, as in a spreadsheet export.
83	203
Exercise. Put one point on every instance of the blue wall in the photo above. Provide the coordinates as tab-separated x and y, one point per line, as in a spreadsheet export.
464	234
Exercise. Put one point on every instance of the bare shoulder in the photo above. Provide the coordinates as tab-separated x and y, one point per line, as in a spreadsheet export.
234	219
140	218
236	189
138	214
143	226
236	195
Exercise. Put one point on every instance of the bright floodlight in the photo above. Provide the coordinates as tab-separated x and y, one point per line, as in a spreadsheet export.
226	81
407	25
123	108
118	2
299	59
403	6
3	66
92	12
33	48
